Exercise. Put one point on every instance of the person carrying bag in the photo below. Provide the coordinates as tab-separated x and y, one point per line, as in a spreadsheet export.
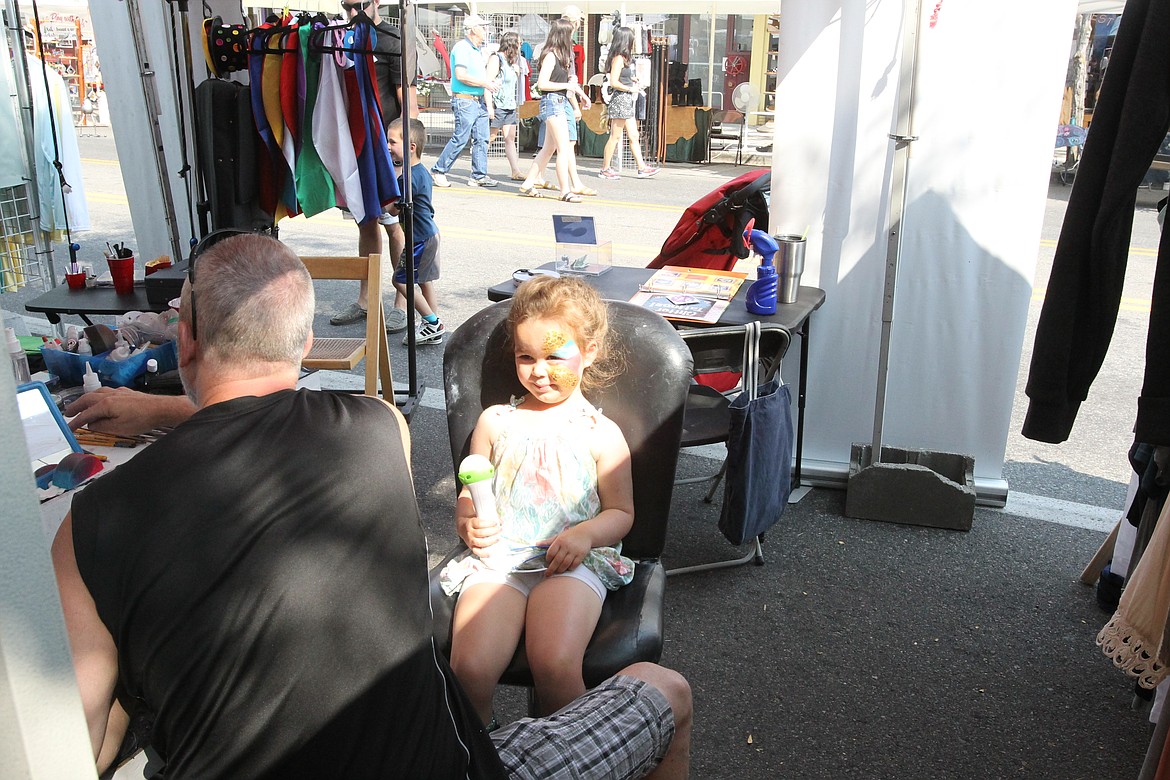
759	450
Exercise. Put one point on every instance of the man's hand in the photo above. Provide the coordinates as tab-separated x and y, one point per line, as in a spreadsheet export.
127	412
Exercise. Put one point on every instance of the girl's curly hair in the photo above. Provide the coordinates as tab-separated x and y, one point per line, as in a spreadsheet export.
577	305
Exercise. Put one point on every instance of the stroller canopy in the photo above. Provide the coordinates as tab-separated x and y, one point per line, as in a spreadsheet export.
710	232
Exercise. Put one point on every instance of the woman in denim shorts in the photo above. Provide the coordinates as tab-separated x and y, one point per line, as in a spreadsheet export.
506	65
555	83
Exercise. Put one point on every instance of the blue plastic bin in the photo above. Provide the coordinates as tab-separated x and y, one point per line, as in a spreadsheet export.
70	368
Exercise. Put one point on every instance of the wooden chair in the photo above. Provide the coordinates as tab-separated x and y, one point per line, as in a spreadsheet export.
343	354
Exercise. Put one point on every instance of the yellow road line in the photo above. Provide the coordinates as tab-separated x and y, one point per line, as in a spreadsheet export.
1138	305
554	198
1133	250
334	218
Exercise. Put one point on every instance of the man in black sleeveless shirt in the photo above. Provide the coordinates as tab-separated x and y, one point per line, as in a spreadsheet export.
256	580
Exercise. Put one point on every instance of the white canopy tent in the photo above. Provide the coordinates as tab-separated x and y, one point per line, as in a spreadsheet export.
974	209
971	226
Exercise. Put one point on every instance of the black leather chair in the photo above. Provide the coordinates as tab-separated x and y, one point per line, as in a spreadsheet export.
647	403
708	411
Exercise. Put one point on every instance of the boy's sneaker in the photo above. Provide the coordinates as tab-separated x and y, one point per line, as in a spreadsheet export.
609	173
426	333
439	179
482	182
395	320
646	173
348	316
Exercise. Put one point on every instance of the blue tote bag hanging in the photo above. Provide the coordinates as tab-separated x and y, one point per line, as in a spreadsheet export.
759	451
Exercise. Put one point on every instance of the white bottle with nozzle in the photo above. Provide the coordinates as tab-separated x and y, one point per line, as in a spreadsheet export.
19	359
83	347
90	381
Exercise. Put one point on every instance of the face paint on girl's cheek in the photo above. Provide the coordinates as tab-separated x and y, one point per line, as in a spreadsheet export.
559	345
563	377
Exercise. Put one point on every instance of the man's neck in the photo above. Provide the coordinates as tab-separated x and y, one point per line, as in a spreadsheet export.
226	388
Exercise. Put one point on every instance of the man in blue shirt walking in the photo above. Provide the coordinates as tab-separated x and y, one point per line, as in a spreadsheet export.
468	82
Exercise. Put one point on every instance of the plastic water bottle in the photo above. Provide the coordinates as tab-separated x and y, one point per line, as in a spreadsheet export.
19	359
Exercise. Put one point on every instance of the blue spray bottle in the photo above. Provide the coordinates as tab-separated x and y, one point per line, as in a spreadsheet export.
761	296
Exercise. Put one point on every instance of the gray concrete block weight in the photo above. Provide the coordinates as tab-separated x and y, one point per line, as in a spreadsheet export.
915	487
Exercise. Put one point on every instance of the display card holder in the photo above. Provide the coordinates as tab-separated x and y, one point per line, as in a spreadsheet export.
584	259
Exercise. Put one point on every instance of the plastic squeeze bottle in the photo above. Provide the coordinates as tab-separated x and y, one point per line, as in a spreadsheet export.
90	381
761	296
151	377
18	358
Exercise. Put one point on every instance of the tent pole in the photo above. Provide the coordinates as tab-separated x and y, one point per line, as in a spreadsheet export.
711	61
900	176
150	95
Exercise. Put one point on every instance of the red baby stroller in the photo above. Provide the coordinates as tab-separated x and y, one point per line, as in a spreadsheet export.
710	232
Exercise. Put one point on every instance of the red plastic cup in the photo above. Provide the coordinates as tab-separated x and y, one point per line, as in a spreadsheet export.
122	272
75	281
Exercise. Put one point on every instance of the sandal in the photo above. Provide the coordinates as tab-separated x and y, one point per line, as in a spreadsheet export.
587	191
517	177
544	185
530	192
571	197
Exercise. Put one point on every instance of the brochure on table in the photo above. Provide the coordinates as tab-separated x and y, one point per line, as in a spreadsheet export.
689	294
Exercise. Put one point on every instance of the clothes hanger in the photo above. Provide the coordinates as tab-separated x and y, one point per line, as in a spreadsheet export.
318	37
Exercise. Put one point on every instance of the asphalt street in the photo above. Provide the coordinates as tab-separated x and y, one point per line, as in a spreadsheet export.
860	649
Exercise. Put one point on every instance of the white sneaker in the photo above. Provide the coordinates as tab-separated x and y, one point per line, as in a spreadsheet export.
426	333
395	320
482	182
440	179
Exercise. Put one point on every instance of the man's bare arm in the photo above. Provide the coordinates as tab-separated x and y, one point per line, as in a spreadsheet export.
128	412
95	659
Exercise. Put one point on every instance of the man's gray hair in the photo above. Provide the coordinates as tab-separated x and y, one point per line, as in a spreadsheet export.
254	301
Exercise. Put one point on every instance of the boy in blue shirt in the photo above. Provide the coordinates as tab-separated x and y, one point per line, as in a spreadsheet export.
426	233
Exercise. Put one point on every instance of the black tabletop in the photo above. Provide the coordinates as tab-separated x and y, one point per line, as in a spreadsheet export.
91	300
620	284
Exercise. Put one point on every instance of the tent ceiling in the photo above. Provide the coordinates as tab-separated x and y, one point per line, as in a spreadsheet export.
633	6
1100	6
609	6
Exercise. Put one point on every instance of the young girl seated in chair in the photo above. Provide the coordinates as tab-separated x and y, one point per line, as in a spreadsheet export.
562	483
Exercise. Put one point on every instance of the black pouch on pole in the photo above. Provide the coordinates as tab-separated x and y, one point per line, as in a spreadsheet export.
759	451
